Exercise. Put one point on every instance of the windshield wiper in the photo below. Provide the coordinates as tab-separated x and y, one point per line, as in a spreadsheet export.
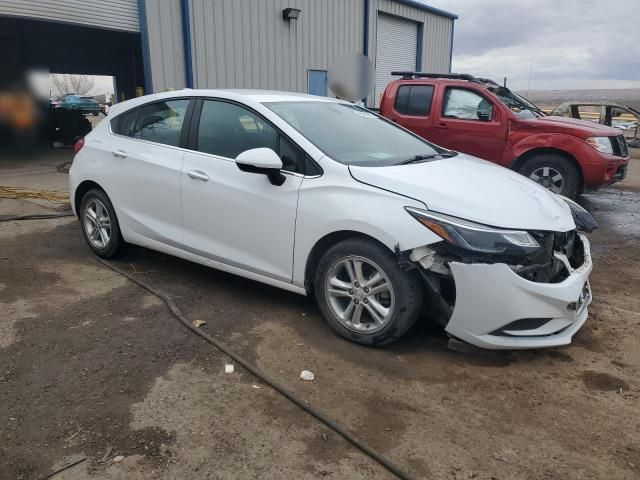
421	158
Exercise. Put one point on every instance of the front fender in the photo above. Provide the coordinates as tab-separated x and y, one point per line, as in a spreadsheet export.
557	141
325	207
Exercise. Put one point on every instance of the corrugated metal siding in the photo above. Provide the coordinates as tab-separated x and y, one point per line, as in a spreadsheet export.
397	45
437	33
247	44
166	46
114	14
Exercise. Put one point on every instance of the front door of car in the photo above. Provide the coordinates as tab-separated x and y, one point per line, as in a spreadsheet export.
471	123
232	216
144	169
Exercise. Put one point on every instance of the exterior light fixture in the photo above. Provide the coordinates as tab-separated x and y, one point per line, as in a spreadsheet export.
291	13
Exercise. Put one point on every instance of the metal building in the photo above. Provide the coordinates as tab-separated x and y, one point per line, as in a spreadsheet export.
274	44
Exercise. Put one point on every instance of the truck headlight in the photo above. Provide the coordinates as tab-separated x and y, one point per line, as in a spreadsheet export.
602	144
474	236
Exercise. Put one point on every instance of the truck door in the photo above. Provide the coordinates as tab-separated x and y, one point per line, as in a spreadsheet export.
412	108
469	122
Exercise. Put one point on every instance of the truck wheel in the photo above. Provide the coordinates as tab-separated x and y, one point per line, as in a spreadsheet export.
554	172
363	293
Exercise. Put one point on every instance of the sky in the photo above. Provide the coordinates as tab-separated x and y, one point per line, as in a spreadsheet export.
574	44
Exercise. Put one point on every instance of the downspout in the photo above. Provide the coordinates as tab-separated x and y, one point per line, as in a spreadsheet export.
419	48
453	24
365	44
186	41
144	41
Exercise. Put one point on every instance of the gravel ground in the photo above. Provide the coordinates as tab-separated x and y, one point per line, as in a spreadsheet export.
91	365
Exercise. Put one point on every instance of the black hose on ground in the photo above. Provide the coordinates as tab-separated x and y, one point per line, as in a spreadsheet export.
329	422
41	216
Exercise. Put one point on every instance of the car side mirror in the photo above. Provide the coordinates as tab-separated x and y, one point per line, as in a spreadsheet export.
484	116
263	161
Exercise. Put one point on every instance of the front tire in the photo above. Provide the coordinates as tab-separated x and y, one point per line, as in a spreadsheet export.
100	224
363	293
553	172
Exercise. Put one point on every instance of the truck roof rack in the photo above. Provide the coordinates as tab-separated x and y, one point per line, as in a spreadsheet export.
452	76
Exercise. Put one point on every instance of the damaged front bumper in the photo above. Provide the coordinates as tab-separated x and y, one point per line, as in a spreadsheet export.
497	308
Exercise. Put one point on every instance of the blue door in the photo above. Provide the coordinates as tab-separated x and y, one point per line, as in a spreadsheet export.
318	82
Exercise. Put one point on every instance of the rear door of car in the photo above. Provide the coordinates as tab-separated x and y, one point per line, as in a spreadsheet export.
469	120
411	107
232	216
144	169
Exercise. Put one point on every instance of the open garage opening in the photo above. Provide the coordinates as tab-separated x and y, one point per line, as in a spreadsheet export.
110	58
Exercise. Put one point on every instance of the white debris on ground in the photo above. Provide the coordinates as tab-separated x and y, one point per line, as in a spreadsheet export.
307	375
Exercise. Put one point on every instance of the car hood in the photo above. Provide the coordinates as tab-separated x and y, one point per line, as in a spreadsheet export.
571	126
473	189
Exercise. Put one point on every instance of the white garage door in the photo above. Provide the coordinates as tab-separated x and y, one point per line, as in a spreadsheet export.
113	14
396	47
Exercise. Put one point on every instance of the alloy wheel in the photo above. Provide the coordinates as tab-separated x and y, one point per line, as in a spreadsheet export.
359	294
97	223
549	178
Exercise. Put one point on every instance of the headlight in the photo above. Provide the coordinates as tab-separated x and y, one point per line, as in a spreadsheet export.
583	219
602	144
474	236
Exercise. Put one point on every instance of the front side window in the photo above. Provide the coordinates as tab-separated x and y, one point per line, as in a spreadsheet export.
466	104
161	122
414	100
352	135
227	130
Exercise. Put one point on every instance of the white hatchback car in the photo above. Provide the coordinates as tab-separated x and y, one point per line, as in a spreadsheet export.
318	196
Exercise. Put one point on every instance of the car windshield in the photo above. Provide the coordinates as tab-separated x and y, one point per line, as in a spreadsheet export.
522	107
354	136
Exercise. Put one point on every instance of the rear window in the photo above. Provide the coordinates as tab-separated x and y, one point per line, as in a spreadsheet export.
414	100
161	122
123	124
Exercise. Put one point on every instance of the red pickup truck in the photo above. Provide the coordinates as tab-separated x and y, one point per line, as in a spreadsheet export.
481	118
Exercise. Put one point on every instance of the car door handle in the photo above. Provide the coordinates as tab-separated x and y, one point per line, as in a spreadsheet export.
442	126
119	154
198	175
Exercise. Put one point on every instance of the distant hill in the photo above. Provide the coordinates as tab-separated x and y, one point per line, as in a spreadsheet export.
553	98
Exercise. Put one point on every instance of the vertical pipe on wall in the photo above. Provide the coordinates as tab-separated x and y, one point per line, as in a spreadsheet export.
365	35
419	47
144	40
186	40
453	24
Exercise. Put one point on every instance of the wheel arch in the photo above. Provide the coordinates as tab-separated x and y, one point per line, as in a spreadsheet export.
81	190
522	159
324	244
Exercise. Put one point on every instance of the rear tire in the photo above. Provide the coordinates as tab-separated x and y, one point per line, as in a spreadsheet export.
363	293
554	172
100	224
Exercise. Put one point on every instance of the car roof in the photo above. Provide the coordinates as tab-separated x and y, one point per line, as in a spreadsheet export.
247	96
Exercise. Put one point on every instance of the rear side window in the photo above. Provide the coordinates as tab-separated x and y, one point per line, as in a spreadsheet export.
161	122
123	124
414	100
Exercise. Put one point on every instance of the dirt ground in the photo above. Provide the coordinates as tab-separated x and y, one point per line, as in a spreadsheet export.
92	365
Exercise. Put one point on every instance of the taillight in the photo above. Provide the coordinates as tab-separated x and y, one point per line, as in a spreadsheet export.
78	145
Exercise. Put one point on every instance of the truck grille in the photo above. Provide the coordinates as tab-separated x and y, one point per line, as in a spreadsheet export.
619	144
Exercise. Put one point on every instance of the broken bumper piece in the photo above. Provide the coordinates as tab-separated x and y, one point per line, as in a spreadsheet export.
498	309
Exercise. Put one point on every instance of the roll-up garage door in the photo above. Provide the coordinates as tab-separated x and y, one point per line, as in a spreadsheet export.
112	14
396	47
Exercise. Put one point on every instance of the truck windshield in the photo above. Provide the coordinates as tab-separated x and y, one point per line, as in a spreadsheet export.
519	105
355	136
